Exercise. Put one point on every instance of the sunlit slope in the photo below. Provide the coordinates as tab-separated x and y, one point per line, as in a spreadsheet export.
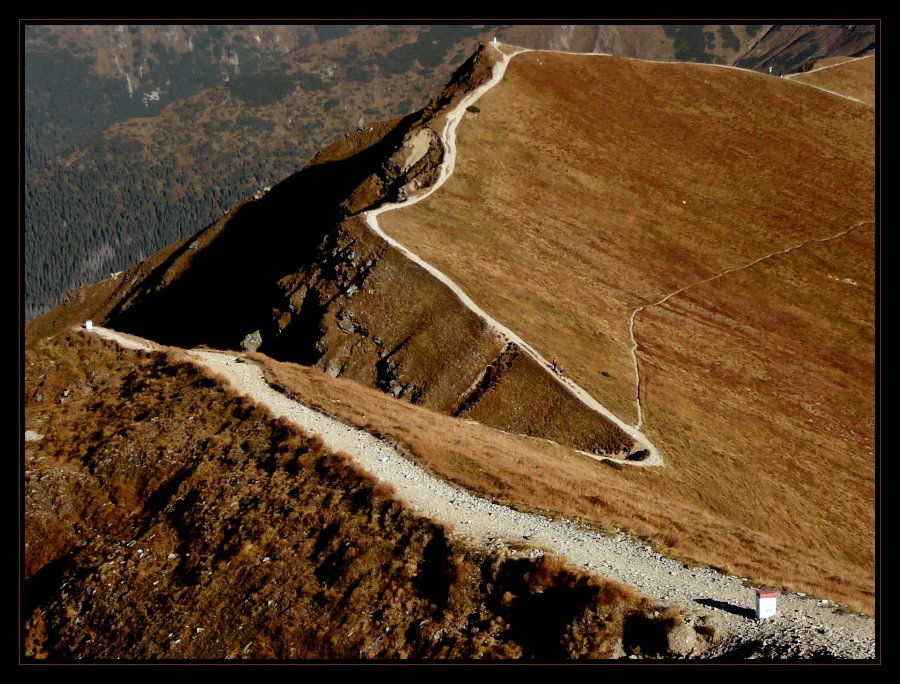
853	78
588	186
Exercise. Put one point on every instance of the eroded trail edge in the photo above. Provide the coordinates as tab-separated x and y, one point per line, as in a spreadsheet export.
814	624
448	140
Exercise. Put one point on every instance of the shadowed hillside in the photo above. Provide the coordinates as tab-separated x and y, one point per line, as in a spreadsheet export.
299	270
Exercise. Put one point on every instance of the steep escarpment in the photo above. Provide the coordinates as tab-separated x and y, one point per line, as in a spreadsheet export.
297	275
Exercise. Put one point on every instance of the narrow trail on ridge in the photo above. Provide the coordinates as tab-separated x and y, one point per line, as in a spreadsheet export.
448	140
642	307
828	66
791	77
814	624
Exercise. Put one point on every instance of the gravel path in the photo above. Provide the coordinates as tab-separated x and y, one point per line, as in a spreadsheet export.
802	628
448	140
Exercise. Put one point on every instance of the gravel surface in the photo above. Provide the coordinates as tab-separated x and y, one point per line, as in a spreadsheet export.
448	140
803	627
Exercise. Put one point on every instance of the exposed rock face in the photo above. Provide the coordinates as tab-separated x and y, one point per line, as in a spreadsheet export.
320	289
691	638
789	49
669	635
252	341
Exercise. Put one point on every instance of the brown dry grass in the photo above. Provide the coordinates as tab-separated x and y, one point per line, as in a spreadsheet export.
535	475
167	517
587	186
855	78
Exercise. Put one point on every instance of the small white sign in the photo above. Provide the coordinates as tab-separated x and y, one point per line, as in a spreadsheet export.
765	605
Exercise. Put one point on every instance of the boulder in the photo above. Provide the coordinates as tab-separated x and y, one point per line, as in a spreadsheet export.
252	341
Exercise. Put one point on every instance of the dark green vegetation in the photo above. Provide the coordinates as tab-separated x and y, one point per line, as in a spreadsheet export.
692	42
89	218
332	31
65	104
167	517
97	202
263	87
67	101
729	40
429	50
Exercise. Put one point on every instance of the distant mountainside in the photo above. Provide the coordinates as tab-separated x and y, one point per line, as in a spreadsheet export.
138	135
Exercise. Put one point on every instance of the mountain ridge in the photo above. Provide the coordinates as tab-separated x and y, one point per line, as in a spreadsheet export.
146	181
337	273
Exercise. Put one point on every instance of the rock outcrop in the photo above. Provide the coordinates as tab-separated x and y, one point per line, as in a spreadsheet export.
300	267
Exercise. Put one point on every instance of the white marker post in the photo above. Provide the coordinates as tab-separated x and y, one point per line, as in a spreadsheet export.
765	603
88	325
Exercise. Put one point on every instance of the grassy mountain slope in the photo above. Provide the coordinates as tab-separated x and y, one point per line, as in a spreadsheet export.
725	382
588	186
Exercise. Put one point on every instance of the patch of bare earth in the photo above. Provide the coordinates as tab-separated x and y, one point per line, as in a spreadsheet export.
588	186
